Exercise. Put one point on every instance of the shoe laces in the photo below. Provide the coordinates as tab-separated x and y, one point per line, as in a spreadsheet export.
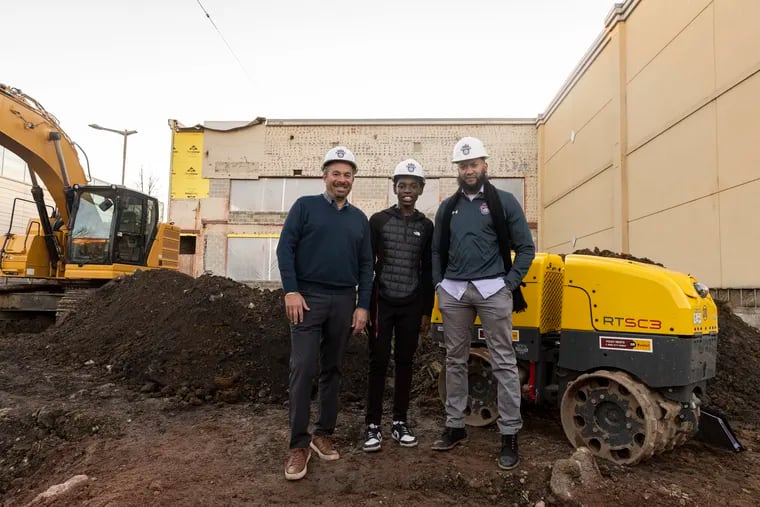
401	428
298	458
373	430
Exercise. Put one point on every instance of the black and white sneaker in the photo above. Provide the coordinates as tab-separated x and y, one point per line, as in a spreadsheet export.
374	439
402	434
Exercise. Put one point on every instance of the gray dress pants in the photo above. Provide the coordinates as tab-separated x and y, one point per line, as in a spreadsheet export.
496	317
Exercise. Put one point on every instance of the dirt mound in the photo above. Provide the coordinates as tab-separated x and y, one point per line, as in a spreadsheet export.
616	255
204	339
734	388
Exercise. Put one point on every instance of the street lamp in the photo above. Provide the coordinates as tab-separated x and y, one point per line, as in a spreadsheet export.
124	133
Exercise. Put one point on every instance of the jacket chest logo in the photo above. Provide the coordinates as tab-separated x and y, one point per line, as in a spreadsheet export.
484	209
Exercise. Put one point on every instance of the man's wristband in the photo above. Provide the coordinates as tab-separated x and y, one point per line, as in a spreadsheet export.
289	293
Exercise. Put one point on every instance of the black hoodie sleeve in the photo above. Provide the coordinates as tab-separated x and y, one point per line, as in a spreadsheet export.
375	227
426	280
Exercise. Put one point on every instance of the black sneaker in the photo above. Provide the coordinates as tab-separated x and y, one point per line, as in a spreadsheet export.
508	457
450	438
402	434
373	440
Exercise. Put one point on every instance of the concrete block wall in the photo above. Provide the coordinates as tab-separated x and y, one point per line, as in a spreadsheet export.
744	302
214	244
379	147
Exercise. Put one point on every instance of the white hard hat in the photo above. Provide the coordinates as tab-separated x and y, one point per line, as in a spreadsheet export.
409	167
339	154
468	148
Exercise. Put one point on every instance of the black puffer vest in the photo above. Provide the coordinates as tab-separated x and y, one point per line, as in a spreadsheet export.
402	240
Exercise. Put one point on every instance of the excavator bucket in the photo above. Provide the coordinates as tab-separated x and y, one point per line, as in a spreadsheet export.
714	429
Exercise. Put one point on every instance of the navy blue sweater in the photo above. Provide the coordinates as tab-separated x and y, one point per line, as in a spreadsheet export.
327	248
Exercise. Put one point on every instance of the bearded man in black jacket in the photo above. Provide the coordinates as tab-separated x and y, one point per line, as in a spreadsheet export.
476	230
402	300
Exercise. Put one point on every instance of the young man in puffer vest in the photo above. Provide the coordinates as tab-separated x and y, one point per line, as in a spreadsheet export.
402	300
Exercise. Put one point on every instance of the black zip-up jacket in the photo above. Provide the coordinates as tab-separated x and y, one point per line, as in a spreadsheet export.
403	257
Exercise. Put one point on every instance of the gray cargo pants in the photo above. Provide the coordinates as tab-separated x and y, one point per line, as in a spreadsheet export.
496	317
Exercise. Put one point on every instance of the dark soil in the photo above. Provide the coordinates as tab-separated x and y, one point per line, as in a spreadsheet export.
616	255
734	390
168	390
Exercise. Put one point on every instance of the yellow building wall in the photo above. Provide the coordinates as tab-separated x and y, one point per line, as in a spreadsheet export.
581	214
739	229
738	133
679	124
737	39
673	82
677	167
683	238
578	204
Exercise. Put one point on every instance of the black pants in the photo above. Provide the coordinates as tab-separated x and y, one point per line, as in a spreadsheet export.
319	340
403	322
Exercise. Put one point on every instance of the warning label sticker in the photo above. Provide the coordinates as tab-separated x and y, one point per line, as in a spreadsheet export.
631	344
515	334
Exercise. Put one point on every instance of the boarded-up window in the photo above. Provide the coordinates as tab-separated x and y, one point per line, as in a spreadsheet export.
252	259
271	194
515	186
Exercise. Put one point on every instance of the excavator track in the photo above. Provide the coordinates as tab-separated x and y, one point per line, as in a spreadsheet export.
621	420
69	303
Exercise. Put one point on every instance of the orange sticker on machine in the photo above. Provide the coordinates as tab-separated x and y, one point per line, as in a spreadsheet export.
629	344
515	334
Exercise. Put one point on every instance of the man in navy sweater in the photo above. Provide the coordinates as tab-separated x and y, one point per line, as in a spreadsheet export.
324	253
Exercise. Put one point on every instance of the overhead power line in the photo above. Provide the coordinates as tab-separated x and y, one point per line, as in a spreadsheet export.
232	51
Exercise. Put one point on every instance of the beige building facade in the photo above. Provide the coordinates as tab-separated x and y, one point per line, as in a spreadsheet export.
651	146
256	170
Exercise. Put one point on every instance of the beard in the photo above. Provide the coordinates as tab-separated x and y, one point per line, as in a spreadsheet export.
474	188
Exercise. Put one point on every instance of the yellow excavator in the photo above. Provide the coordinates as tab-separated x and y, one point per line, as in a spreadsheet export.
90	235
623	348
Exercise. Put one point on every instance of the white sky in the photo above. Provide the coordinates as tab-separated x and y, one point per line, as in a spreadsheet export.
135	64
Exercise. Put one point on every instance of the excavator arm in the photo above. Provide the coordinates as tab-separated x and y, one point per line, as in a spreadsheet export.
100	232
33	134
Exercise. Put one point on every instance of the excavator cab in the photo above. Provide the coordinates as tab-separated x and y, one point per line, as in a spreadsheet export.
111	225
94	234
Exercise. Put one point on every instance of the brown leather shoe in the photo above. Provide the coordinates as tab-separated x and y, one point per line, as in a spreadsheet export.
323	446
296	466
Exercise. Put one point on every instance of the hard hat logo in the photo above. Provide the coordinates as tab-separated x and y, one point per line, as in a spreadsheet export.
409	167
341	154
468	148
